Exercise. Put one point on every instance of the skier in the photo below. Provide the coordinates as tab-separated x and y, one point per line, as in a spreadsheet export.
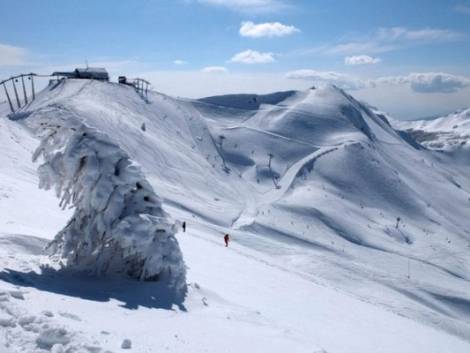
226	239
184	227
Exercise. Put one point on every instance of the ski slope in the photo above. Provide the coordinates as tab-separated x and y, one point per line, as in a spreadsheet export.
309	185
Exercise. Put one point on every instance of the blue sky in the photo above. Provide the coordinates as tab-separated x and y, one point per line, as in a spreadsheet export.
411	58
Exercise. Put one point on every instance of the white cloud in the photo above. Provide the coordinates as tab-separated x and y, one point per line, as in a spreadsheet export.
253	57
11	55
463	8
424	34
371	47
393	38
341	80
249	5
268	29
361	60
215	69
429	82
179	62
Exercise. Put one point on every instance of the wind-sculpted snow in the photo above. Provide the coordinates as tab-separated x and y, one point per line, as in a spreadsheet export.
118	225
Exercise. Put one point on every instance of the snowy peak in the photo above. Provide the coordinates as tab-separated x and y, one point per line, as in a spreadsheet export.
267	145
318	116
449	133
321	116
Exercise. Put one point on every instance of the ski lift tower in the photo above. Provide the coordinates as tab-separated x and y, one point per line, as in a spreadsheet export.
27	96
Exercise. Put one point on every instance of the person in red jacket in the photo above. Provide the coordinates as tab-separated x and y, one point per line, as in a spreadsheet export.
226	239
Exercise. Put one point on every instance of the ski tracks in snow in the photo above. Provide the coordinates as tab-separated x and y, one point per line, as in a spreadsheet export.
256	202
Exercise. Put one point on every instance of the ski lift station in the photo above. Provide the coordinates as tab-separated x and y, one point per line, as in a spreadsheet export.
91	73
19	93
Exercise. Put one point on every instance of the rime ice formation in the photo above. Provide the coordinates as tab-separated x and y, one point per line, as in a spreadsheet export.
118	225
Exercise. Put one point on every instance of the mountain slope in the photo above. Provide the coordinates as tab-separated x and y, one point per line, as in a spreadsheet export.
309	184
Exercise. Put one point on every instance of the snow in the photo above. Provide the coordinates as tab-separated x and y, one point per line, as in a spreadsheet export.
444	133
308	184
50	338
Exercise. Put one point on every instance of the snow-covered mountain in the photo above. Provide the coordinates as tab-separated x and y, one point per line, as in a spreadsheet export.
448	133
347	235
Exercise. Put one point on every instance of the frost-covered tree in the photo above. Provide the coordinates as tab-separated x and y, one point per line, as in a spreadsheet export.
118	225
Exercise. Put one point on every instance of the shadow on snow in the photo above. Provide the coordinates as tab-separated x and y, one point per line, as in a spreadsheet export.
131	293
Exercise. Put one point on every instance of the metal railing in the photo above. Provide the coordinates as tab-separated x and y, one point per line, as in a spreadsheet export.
141	86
